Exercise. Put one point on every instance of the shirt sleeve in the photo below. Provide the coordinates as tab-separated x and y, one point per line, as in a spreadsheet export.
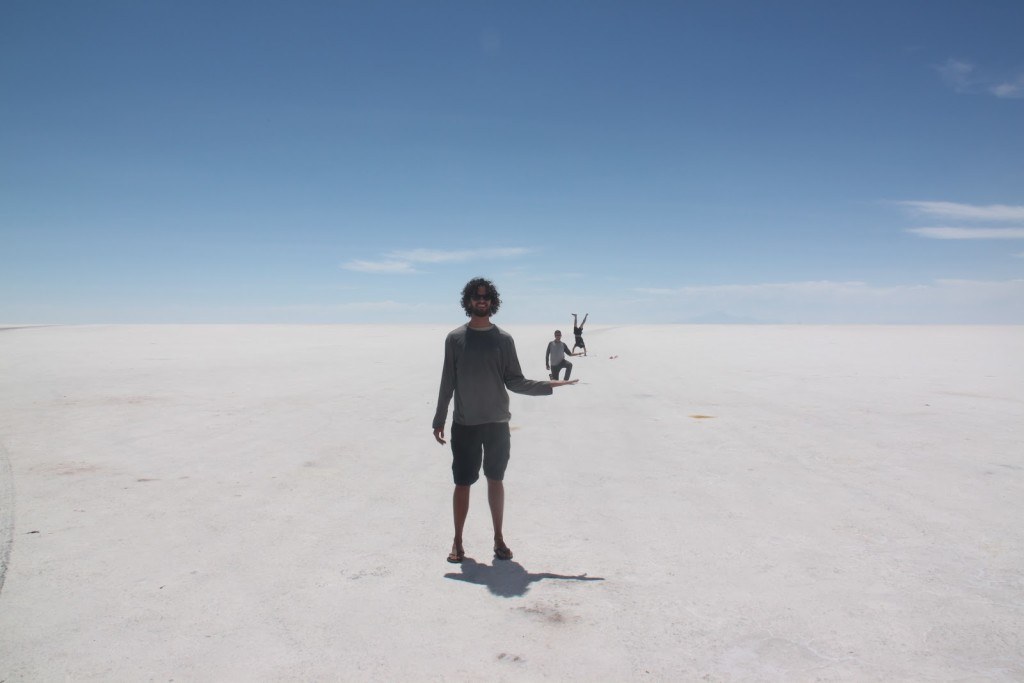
513	376
444	394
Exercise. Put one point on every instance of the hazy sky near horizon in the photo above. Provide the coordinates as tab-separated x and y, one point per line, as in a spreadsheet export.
700	161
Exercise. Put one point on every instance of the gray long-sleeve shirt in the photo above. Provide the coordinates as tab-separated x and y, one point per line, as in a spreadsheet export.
478	366
556	351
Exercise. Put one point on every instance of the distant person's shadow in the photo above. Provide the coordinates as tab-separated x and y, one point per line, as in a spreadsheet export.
507	579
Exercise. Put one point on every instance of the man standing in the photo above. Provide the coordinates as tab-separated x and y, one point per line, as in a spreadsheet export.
480	363
577	330
554	357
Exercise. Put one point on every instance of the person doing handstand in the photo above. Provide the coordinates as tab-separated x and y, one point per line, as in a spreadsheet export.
578	331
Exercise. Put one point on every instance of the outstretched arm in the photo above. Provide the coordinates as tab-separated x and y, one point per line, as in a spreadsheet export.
560	383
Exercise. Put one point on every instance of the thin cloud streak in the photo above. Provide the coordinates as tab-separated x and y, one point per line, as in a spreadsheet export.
402	262
969	233
828	302
1010	89
343	307
381	267
992	212
964	77
957	74
813	286
459	256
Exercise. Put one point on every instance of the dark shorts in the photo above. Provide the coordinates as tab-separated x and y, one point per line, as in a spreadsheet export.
472	444
555	369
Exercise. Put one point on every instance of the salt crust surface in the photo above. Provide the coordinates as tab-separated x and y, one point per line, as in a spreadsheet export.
728	503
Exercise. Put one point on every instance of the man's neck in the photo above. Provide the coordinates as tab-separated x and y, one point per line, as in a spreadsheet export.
479	322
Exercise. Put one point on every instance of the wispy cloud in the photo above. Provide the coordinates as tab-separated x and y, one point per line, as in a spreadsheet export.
991	213
345	307
970	233
957	74
403	262
828	291
760	289
458	256
824	301
1011	89
965	77
380	267
335	312
955	211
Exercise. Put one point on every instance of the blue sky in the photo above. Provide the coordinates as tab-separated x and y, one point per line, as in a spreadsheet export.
334	162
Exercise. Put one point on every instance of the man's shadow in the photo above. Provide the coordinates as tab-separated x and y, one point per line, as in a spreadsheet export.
507	579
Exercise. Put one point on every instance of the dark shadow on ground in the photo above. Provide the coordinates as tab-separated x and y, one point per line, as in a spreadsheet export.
507	579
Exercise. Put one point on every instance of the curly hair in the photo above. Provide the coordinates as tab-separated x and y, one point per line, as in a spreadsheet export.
470	289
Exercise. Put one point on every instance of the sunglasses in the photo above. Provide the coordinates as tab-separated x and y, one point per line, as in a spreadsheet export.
481	297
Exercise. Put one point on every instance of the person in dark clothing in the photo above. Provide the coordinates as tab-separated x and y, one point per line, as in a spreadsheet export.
578	331
554	357
480	367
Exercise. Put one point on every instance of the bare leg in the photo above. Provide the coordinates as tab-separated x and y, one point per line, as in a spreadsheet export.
460	510
496	499
587	315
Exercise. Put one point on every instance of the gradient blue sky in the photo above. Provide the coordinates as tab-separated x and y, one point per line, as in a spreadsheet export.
804	161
